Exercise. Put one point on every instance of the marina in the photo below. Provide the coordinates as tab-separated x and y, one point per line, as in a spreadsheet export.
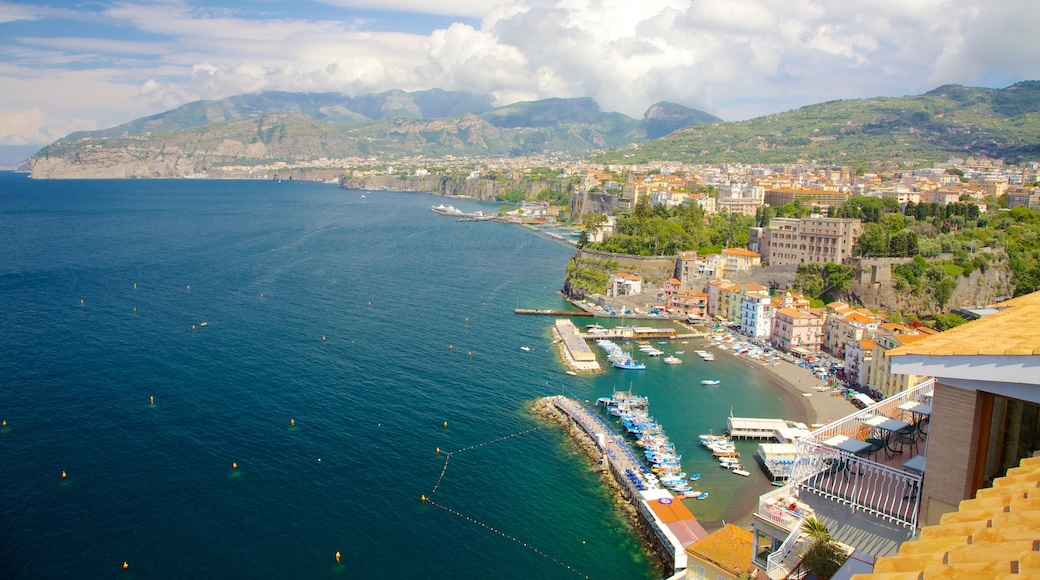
673	527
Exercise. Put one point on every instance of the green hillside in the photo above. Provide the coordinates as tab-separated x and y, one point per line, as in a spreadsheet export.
948	121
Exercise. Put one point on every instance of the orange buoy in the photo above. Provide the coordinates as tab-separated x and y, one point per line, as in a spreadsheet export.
292	422
125	565
63	474
438	450
445	423
422	498
3	424
337	556
193	327
234	465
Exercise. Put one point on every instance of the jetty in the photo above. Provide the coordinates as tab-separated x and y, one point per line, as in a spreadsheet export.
576	352
549	312
779	430
665	521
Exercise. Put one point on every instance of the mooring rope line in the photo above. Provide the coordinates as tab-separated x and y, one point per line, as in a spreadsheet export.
493	441
444	469
447	456
507	536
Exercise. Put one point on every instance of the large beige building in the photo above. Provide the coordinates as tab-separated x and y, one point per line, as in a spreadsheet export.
817	239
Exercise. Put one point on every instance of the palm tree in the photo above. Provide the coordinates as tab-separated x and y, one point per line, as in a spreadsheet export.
824	556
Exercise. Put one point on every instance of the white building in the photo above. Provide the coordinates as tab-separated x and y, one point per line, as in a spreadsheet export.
756	316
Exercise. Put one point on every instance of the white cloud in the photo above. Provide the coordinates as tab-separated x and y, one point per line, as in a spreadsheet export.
464	8
32	126
732	58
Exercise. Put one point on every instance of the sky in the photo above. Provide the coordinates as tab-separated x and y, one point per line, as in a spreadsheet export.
69	65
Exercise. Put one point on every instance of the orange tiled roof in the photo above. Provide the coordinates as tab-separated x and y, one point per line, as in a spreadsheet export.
741	252
728	548
1010	332
995	535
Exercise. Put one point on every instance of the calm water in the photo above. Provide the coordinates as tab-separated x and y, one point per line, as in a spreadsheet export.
100	285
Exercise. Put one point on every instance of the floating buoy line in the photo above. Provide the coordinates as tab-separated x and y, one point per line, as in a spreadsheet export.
447	458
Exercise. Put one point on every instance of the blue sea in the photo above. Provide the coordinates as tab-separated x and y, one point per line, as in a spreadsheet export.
348	335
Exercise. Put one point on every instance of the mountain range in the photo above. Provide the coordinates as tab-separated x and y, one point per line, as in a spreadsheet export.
268	127
949	121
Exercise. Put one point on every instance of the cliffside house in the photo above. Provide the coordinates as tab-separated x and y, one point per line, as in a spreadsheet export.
625	284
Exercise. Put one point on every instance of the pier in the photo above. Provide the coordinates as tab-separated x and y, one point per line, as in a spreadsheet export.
547	312
576	353
779	430
671	525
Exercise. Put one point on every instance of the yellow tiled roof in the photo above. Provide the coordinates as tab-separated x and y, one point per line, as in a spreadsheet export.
1010	332
728	548
996	535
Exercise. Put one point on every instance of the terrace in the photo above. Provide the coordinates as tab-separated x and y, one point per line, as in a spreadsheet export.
860	475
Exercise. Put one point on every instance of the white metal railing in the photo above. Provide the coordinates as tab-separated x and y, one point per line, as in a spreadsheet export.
875	488
775	561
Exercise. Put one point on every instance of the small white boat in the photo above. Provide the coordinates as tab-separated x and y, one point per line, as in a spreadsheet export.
742	472
572	373
525	348
203	323
710	382
671	360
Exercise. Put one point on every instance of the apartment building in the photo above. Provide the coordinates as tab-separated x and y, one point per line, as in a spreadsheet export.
756	318
797	331
813	239
844	324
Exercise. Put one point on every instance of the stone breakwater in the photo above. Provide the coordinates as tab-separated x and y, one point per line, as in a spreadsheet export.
623	500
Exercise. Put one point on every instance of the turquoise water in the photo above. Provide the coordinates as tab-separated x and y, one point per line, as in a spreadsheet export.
101	283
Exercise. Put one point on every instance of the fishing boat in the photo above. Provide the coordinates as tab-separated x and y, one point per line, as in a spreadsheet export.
629	365
710	382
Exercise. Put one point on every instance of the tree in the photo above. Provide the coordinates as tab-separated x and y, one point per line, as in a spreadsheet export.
824	556
873	242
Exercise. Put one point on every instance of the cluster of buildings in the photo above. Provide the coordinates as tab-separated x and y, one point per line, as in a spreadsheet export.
955	499
744	188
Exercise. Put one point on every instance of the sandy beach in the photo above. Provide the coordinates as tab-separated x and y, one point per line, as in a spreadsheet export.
793	383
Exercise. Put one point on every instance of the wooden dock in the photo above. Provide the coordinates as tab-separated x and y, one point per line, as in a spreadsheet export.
552	312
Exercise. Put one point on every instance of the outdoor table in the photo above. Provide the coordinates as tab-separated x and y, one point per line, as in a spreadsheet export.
915	464
920	412
845	443
887	427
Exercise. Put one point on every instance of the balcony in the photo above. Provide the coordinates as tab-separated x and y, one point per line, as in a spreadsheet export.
860	475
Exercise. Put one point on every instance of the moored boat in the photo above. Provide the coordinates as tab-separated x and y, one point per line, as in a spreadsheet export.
710	382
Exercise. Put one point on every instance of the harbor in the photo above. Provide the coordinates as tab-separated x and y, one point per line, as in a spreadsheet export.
663	520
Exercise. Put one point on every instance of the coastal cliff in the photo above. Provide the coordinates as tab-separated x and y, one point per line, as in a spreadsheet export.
483	189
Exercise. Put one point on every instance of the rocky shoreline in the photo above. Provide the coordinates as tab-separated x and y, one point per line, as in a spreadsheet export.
544	408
